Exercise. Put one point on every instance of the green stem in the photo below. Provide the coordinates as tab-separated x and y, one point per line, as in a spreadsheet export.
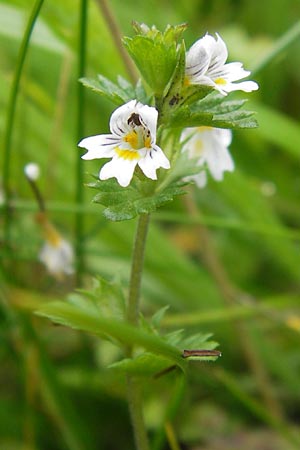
11	112
137	269
134	394
79	218
136	413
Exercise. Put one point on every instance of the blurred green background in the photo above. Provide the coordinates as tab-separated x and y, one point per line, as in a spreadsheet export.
229	266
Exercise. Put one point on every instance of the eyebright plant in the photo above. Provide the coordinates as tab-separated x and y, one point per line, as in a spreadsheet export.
166	131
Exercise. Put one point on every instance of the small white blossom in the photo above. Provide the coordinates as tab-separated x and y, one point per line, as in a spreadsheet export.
132	142
32	171
206	65
56	253
209	146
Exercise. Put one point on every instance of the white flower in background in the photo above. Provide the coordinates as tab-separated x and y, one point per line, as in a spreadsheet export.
132	142
206	65
209	146
32	171
56	253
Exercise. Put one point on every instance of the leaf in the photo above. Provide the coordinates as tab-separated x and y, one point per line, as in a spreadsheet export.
126	203
106	298
214	111
155	53
118	93
146	364
86	320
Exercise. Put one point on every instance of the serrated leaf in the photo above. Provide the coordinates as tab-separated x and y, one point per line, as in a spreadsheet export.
146	364
233	117
126	203
81	319
158	316
118	93
106	299
155	59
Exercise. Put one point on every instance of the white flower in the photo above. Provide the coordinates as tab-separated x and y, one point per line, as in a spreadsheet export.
206	65
32	171
132	142
210	147
56	253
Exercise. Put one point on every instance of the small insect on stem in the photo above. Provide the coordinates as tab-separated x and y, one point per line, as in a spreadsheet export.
188	353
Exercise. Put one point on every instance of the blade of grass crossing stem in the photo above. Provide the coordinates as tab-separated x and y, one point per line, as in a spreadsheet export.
79	218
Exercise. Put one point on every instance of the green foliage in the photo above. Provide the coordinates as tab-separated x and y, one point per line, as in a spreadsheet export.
126	203
214	111
119	93
155	54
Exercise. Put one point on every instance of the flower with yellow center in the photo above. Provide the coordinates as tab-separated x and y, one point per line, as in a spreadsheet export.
209	147
206	65
132	142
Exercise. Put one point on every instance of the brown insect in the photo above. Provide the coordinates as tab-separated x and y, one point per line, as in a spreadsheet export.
188	353
134	119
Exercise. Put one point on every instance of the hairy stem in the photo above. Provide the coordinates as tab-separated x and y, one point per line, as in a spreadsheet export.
137	269
134	393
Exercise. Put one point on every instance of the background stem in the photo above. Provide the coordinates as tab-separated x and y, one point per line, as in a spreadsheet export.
11	112
79	194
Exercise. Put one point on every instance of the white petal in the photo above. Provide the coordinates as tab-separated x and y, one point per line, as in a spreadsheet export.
153	160
218	51
149	117
119	168
246	86
197	61
219	161
230	72
99	146
118	121
200	179
223	135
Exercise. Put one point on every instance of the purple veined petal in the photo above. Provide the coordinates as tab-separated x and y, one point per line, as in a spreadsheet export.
159	158
153	160
149	118
197	61
99	146
120	169
218	52
118	123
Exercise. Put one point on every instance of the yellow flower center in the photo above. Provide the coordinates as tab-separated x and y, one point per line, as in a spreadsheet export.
127	154
221	81
186	81
198	148
132	139
138	138
205	128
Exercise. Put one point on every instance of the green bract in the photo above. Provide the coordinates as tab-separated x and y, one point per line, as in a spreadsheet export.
155	54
